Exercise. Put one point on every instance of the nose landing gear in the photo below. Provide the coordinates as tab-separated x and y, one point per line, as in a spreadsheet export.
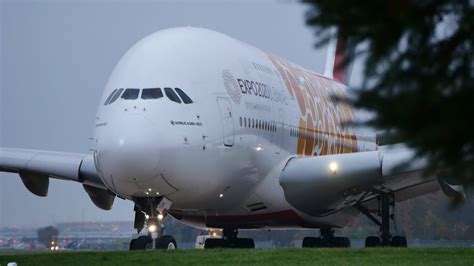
149	215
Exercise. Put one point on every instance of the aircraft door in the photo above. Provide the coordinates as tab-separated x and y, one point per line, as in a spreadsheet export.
225	110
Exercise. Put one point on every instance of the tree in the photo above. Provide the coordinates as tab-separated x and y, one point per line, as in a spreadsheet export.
419	72
47	234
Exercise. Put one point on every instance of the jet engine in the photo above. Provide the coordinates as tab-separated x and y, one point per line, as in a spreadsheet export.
322	184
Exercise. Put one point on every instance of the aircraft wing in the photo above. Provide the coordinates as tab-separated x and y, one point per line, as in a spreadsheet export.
324	184
403	174
35	167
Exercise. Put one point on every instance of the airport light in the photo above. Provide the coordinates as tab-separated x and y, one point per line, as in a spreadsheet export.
333	168
160	216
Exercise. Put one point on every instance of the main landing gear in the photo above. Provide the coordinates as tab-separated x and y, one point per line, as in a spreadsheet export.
326	240
229	240
385	210
149	215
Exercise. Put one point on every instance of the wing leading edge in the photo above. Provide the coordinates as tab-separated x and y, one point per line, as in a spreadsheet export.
35	167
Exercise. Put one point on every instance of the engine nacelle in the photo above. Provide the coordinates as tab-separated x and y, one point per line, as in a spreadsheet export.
319	185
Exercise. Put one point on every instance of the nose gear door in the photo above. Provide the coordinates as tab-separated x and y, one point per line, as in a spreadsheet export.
225	110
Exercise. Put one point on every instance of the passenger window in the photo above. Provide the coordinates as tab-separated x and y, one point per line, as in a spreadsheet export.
116	95
154	93
130	94
183	96
110	97
172	95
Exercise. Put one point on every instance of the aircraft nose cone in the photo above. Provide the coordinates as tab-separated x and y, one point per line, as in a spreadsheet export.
128	151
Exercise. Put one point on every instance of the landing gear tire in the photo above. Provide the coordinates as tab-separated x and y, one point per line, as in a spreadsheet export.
229	240
373	241
398	241
141	243
166	242
145	242
133	244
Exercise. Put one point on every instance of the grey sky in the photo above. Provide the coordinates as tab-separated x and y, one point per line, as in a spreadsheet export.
57	56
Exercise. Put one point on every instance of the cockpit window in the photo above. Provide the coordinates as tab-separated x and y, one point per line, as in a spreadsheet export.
130	94
183	96
116	95
110	97
172	95
176	95
154	93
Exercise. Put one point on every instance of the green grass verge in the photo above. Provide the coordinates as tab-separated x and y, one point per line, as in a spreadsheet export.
382	256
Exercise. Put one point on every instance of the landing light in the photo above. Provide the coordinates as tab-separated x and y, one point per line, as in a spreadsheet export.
152	228
333	168
221	195
259	148
160	216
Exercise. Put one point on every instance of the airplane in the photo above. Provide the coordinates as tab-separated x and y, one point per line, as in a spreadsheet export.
216	133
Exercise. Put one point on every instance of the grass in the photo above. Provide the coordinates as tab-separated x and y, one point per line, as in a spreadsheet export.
382	256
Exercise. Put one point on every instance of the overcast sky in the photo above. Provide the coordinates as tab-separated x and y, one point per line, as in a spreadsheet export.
57	56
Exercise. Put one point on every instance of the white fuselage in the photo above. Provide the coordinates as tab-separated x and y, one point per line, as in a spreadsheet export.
219	158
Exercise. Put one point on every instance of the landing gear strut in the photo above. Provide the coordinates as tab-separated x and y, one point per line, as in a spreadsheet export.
326	240
229	240
386	212
149	214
